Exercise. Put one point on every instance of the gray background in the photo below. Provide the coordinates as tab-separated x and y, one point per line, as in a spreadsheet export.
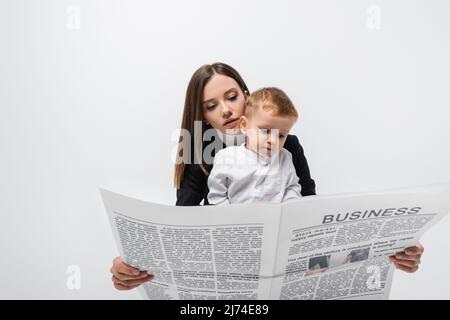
97	105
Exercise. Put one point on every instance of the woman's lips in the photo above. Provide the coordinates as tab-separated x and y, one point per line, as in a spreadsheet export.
230	123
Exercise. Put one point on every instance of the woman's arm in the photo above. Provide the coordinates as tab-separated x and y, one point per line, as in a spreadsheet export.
301	165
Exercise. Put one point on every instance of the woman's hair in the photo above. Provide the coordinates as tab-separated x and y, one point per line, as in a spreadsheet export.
193	111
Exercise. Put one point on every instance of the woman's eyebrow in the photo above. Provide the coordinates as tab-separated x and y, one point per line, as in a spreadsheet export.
229	90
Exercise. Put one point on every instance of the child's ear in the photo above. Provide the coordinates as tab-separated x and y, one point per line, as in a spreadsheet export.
243	121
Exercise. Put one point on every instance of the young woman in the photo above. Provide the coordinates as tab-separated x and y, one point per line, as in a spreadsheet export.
215	100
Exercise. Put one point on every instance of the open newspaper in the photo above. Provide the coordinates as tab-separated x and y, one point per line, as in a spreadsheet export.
319	247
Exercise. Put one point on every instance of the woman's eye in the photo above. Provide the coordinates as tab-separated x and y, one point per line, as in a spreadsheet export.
210	107
232	98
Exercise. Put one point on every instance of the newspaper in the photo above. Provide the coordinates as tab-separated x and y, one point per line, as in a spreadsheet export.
319	247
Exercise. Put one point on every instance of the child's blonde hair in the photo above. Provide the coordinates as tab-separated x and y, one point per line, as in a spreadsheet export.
271	99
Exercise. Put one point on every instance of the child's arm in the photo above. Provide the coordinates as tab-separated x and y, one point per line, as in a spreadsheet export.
293	189
292	192
218	182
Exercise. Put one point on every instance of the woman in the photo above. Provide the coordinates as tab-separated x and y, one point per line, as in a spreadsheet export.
215	100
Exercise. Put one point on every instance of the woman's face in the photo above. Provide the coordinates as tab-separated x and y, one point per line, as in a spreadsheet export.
223	103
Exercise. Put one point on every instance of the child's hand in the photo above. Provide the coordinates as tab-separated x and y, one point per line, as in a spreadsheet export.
409	259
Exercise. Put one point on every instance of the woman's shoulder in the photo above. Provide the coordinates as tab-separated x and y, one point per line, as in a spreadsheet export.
292	144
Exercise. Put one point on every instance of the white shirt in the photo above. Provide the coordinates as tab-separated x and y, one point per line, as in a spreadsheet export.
240	175
231	139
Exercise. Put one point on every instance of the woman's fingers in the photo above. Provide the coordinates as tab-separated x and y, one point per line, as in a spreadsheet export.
130	283
124	272
125	277
406	269
403	256
418	249
406	263
121	267
409	259
121	287
409	266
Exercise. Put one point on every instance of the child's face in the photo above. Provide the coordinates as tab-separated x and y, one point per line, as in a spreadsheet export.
265	132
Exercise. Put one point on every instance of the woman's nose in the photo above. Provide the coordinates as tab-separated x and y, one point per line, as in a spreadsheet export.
226	111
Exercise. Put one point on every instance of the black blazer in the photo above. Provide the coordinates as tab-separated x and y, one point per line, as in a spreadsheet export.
194	186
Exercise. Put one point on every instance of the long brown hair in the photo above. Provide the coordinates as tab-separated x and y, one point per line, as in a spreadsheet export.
193	111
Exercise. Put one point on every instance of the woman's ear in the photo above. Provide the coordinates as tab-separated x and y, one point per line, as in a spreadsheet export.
243	121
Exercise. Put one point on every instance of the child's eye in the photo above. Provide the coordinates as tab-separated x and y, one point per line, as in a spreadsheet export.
210	107
281	136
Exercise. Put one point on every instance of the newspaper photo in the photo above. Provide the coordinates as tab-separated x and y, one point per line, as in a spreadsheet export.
317	247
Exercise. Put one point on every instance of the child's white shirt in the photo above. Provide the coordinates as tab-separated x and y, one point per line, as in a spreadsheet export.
240	175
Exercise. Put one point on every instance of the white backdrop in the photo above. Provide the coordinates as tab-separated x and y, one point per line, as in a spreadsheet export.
91	91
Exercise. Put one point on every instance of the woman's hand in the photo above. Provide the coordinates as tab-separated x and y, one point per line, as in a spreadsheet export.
409	259
125	277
